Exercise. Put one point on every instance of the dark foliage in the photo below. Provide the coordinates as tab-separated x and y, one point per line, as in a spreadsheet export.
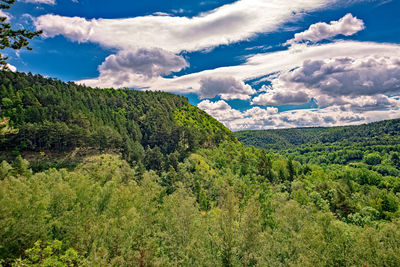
57	116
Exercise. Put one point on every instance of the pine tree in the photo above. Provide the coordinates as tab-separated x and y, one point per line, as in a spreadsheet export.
10	38
21	166
291	170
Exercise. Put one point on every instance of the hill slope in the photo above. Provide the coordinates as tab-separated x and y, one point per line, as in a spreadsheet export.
51	115
289	138
199	203
373	146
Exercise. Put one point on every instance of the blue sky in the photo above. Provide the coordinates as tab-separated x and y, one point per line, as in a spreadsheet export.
252	64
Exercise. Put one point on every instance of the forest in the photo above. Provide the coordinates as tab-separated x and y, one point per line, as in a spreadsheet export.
53	116
374	146
159	182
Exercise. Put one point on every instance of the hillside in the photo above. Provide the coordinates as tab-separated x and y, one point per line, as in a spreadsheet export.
224	206
53	116
373	146
373	133
158	182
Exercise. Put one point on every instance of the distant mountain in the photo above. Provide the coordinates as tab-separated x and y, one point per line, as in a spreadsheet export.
51	115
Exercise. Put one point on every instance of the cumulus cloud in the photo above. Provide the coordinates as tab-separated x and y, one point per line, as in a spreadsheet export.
136	68
338	81
348	25
146	62
226	87
48	2
259	65
220	110
224	25
270	118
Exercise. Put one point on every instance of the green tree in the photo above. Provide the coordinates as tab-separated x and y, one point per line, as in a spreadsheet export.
396	159
4	169
291	170
265	166
228	224
373	159
21	166
203	200
5	128
49	255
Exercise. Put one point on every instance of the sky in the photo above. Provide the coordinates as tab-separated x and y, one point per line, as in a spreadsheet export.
251	64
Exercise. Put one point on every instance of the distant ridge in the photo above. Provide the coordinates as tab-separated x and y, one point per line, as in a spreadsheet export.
290	138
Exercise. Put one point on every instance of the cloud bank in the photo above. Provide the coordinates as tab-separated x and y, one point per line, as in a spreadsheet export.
336	81
258	118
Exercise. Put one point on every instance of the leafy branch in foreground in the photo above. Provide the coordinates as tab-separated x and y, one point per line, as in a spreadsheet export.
12	38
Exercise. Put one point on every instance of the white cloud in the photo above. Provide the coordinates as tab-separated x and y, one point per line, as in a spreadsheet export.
260	65
226	87
146	62
136	68
257	66
220	110
281	98
337	81
227	24
161	14
348	25
48	2
269	118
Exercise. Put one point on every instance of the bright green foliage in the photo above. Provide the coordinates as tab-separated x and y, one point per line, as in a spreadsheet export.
4	169
203	128
373	159
21	166
204	213
49	255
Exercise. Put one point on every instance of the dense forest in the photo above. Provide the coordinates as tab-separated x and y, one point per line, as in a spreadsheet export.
374	146
152	128
167	185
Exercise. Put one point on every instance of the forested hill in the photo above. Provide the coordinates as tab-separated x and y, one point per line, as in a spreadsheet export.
196	203
50	115
383	132
374	146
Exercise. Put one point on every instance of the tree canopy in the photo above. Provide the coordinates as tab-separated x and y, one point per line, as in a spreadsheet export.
161	183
